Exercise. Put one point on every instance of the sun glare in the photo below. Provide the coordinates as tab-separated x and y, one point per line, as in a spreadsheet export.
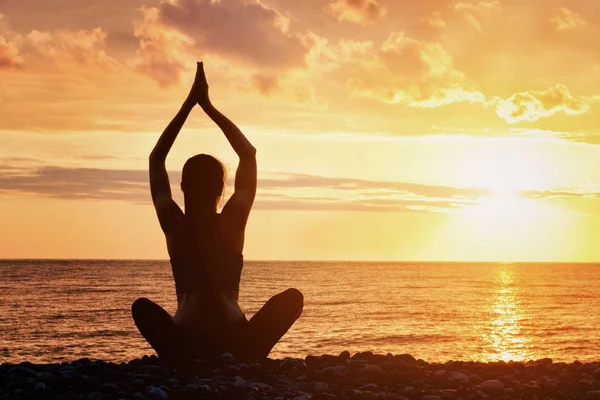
505	207
502	335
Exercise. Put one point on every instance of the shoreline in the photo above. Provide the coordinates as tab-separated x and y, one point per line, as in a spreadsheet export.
345	376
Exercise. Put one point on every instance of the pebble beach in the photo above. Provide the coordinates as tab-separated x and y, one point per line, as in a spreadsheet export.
345	376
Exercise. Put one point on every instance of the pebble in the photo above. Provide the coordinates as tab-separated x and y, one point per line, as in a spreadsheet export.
372	370
22	371
362	376
338	370
158	393
263	387
239	381
491	386
458	376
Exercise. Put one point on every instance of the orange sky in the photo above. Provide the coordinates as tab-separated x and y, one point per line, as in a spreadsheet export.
386	130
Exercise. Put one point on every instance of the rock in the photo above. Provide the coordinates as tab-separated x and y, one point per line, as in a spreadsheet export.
227	357
21	385
157	393
365	355
291	363
172	381
405	357
22	371
369	386
592	395
149	369
303	397
259	386
327	396
40	386
320	387
239	381
339	370
440	374
492	386
110	386
585	384
372	370
344	355
458	376
94	396
205	388
431	397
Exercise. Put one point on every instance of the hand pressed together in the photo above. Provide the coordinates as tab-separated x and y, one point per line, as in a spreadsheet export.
199	92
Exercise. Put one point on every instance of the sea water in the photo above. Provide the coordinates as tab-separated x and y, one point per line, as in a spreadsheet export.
62	310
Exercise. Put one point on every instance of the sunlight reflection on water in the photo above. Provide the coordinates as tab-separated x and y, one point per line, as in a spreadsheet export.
504	336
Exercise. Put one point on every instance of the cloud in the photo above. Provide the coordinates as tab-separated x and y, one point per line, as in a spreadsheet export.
565	19
266	84
83	48
357	11
244	32
474	11
534	105
435	20
587	193
9	50
9	55
162	51
413	72
281	191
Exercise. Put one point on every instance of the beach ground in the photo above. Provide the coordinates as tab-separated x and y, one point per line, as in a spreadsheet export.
359	376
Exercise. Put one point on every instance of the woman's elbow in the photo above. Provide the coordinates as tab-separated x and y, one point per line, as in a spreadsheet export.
249	152
155	157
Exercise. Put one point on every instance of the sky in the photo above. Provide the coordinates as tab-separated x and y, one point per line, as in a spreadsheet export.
386	130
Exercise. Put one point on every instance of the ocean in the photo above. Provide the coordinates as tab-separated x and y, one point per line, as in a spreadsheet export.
63	310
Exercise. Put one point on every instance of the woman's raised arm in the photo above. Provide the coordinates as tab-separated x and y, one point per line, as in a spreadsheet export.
160	188
238	207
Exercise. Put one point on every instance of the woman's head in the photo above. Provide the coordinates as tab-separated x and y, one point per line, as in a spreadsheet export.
203	179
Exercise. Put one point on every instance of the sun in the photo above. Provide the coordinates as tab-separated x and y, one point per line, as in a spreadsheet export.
504	207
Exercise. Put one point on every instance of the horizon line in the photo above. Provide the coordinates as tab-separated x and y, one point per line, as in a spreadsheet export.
313	260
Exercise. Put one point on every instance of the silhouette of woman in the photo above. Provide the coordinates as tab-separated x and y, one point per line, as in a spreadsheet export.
205	249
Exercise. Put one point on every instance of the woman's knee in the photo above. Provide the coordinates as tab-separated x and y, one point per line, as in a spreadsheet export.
294	298
144	311
140	305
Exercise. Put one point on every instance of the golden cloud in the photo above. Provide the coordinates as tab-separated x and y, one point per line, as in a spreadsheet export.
413	72
9	55
534	105
474	11
435	20
83	48
9	50
248	33
357	11
163	52
564	19
266	84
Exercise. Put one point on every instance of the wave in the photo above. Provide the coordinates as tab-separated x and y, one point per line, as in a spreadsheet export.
88	290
